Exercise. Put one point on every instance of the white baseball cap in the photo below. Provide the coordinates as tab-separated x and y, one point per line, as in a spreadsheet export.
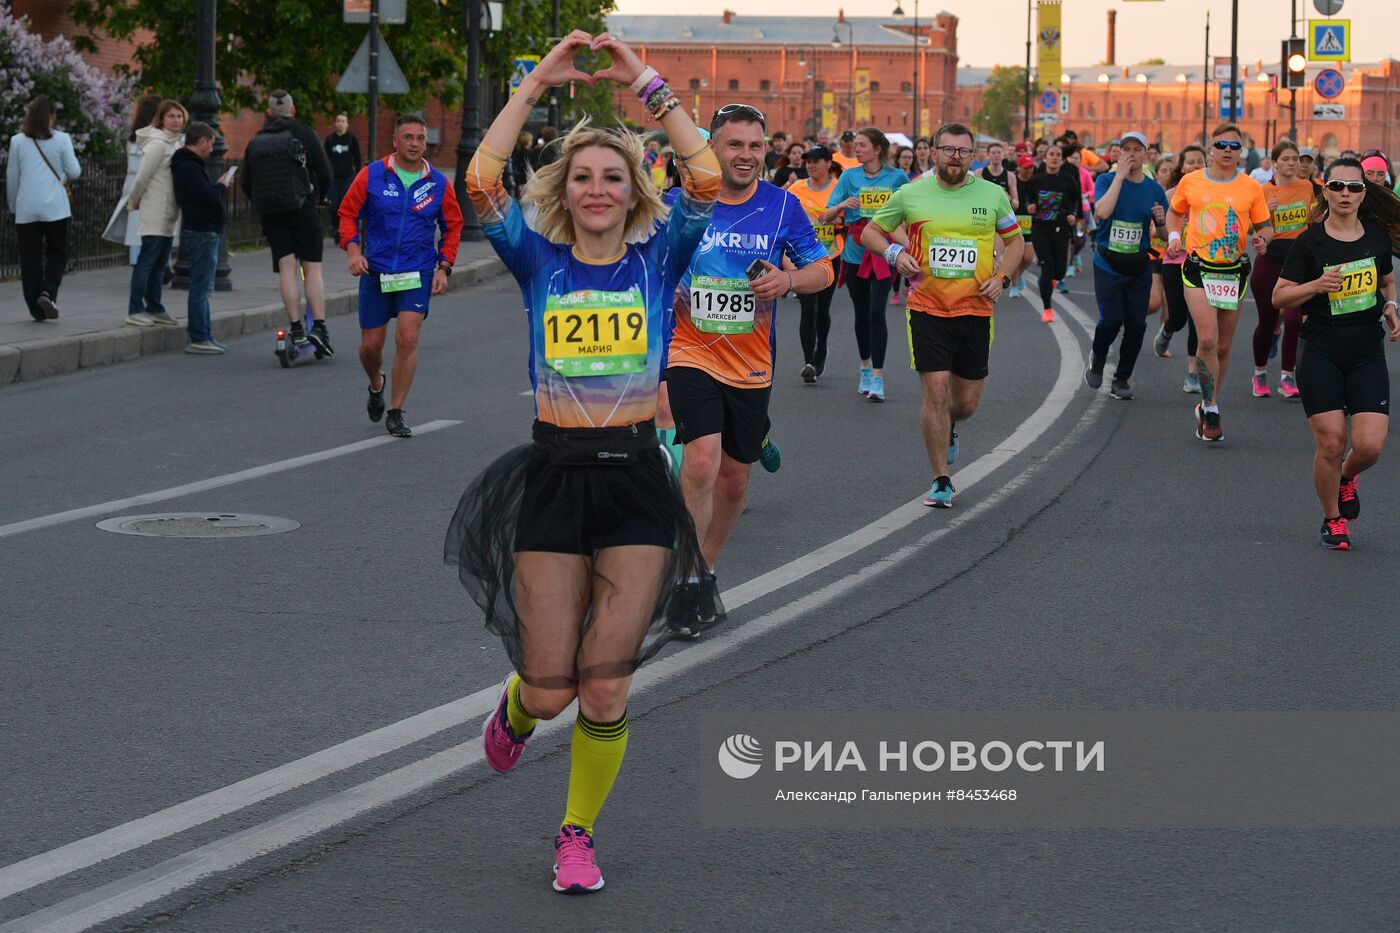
1136	136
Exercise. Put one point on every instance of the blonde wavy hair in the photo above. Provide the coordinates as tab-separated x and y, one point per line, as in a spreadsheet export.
546	187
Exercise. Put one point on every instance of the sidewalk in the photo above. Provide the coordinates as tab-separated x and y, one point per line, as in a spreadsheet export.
90	330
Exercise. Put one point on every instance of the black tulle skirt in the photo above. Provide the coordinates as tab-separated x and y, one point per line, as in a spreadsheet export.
575	492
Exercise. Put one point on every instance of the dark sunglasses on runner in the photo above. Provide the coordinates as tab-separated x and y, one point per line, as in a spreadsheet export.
1232	144
1355	187
737	112
1372	153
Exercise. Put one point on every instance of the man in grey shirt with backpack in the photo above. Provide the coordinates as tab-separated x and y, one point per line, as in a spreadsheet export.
287	176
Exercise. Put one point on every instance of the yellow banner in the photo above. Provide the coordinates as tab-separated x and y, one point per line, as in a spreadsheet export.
862	96
1048	43
829	111
928	127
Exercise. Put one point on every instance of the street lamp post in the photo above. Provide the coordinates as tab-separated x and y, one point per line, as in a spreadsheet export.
804	54
204	107
851	70
1105	79
1027	131
899	11
470	139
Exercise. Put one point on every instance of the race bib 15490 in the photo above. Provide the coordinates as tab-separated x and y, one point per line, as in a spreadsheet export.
872	199
595	333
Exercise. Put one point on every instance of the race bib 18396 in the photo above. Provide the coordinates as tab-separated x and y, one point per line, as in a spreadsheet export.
1222	290
1358	291
952	257
721	306
595	333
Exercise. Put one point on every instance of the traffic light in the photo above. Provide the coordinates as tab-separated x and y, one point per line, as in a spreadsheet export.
1294	63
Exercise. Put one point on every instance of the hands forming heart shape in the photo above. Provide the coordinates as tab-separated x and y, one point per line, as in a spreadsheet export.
558	66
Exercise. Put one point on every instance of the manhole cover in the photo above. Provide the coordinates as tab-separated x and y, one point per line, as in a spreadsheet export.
198	525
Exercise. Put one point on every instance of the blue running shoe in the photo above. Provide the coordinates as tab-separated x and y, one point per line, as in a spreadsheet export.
877	389
952	447
1014	291
940	494
769	455
1071	272
866	374
1061	287
1273	348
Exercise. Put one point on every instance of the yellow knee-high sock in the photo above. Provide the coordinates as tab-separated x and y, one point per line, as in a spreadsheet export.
521	722
595	759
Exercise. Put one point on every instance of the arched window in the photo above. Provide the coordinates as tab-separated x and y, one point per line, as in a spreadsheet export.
734	84
764	85
695	84
874	87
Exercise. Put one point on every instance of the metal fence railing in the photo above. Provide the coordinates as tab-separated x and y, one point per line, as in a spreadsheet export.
95	195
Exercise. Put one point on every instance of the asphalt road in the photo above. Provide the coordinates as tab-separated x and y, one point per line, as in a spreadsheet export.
1110	561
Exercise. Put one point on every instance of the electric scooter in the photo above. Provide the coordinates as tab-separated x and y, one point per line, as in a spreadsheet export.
288	353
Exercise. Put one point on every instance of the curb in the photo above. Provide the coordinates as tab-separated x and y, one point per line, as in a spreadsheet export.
35	359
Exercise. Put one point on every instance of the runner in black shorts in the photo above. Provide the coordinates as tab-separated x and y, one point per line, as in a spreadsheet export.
1340	274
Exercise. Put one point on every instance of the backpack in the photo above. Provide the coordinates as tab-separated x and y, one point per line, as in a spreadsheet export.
276	166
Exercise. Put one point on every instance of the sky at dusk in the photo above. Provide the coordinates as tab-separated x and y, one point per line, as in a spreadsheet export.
993	32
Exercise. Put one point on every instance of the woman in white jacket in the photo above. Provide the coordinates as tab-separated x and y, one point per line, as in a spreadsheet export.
41	163
153	194
141	117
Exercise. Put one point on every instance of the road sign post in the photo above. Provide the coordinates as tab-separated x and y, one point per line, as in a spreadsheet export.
1231	104
1329	83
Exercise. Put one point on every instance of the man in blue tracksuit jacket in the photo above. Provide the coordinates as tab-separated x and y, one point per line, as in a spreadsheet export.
404	202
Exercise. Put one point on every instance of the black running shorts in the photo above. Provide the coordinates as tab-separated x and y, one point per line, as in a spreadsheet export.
961	345
1344	368
584	509
702	405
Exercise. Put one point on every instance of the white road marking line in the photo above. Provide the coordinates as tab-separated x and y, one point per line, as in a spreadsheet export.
136	890
214	482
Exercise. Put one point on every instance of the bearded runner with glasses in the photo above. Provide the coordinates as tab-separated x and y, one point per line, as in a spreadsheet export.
1340	274
954	221
724	344
1217	208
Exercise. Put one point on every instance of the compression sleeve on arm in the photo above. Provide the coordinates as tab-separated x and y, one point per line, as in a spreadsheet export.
484	187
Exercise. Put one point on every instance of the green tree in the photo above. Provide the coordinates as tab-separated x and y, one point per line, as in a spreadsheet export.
1003	100
303	45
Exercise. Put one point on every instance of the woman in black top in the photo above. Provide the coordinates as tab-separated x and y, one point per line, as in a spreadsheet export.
789	167
1000	170
1053	195
1339	274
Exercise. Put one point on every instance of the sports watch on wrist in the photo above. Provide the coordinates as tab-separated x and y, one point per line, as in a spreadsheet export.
1006	281
445	267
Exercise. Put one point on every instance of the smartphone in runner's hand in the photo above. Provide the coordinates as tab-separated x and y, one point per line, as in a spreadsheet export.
755	270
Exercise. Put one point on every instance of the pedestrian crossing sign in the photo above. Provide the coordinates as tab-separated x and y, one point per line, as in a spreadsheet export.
520	70
1329	40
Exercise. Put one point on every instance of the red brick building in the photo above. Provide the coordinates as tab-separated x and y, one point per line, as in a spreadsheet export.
1167	103
784	65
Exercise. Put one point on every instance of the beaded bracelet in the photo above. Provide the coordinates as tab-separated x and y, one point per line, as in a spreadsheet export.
656	84
657	97
671	104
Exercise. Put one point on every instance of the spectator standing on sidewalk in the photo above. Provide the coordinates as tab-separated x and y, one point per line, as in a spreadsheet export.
287	176
154	196
203	206
343	149
141	116
41	164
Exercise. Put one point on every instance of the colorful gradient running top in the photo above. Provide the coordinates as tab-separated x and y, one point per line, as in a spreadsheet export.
597	329
953	233
721	327
1219	215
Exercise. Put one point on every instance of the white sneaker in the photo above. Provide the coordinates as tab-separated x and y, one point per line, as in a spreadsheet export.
160	317
140	319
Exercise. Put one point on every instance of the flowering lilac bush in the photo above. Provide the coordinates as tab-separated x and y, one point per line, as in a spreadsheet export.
92	107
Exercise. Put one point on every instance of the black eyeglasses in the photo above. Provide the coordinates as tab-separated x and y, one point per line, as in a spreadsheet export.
737	112
1232	144
962	152
1355	187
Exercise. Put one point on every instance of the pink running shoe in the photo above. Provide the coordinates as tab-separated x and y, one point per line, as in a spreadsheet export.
575	871
1261	386
1288	386
503	747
